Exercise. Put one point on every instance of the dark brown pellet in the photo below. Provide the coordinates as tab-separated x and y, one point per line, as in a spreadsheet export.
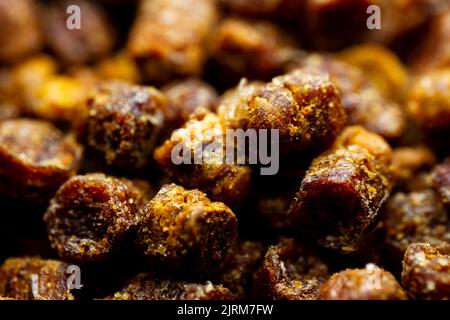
252	49
418	216
91	215
289	271
305	108
363	102
184	230
426	272
371	283
124	122
185	96
354	179
146	287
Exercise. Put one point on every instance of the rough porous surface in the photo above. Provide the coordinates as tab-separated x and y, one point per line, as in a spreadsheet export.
35	158
184	230
353	177
34	279
90	215
124	122
289	271
426	272
371	283
146	287
184	157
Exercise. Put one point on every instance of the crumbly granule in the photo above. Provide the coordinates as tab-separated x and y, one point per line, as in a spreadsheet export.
305	108
184	97
233	105
252	49
221	181
34	279
418	216
370	283
94	39
361	99
35	158
354	178
183	230
426	272
124	122
289	271
146	286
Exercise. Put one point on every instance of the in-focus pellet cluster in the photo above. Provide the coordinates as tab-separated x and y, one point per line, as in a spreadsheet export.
115	176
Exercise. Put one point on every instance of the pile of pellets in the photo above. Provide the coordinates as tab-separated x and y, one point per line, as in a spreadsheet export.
94	205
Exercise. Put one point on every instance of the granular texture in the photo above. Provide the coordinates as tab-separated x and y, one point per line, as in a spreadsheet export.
354	178
305	108
363	102
184	158
381	66
252	49
124	122
90	215
34	279
370	283
35	158
426	272
146	287
418	216
184	230
289	271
